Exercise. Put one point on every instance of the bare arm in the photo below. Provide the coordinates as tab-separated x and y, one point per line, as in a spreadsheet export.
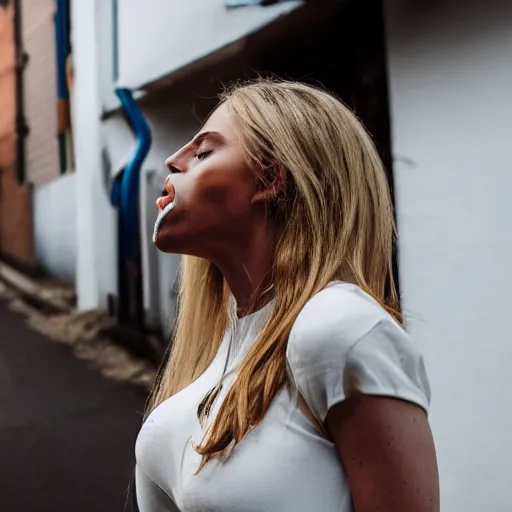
387	450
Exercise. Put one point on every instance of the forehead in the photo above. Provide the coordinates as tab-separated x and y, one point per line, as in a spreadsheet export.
221	120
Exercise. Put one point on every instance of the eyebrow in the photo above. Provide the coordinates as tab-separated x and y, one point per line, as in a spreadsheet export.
206	135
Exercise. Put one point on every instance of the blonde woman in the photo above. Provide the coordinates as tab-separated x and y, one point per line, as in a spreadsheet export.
291	384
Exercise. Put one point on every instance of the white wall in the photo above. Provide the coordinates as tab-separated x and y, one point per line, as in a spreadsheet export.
451	108
55	227
96	274
105	41
157	37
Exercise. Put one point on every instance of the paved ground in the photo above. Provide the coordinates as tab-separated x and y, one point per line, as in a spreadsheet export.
66	433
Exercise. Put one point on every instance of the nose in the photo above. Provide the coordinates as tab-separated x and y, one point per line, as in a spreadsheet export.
171	164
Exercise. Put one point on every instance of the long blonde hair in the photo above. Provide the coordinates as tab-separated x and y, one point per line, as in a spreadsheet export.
336	223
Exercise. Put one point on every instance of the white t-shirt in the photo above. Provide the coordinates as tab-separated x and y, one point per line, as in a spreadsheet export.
343	342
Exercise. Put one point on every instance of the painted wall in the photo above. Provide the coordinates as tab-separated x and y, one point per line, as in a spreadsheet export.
451	105
105	41
40	91
96	262
55	227
16	241
157	37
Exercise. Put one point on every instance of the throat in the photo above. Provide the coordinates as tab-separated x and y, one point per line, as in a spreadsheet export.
256	304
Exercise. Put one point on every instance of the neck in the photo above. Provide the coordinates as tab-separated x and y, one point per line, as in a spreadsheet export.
247	270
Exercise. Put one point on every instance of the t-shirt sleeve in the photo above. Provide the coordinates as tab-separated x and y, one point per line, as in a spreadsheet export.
344	345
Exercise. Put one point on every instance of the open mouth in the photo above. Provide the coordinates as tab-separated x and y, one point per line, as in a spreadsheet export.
165	196
163	200
165	206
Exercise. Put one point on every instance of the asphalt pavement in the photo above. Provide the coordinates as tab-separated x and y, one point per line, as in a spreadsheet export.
66	433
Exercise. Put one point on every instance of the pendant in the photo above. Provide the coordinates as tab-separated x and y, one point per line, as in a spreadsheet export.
203	410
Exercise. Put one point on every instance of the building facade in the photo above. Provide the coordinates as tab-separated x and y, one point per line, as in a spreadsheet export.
16	227
40	91
37	128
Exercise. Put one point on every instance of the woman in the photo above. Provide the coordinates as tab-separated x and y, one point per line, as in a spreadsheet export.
291	385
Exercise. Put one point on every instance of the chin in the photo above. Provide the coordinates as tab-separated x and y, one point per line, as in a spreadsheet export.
164	244
162	240
171	243
185	246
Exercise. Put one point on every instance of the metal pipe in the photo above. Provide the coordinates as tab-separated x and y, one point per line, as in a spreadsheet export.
129	197
62	47
126	196
21	123
130	282
61	53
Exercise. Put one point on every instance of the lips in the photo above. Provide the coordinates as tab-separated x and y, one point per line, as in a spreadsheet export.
162	202
167	197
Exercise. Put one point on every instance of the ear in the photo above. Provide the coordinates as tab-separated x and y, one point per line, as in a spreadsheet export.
271	183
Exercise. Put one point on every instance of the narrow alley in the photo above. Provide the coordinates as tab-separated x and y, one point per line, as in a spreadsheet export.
66	433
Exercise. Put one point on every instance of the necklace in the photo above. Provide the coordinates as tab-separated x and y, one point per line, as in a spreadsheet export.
204	407
203	410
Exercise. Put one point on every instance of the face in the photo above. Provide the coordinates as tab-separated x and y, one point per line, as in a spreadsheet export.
213	190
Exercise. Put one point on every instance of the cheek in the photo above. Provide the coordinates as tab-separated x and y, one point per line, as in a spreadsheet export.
212	190
228	190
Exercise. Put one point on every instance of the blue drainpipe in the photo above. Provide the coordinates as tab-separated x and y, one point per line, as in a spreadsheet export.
125	195
62	50
62	45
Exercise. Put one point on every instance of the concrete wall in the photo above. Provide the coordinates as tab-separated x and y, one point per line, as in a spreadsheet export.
55	227
157	37
40	91
96	262
451	105
105	41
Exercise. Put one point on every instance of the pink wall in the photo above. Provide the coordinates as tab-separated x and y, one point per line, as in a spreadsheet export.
40	91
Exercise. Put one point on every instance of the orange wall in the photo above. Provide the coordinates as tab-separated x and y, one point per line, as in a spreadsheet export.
16	232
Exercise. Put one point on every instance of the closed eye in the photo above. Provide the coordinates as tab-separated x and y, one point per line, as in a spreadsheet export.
203	154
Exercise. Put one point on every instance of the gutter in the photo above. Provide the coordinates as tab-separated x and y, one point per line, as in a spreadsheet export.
129	187
21	123
62	50
126	196
130	272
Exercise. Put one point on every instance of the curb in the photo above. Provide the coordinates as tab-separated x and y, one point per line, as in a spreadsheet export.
48	297
119	353
51	299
